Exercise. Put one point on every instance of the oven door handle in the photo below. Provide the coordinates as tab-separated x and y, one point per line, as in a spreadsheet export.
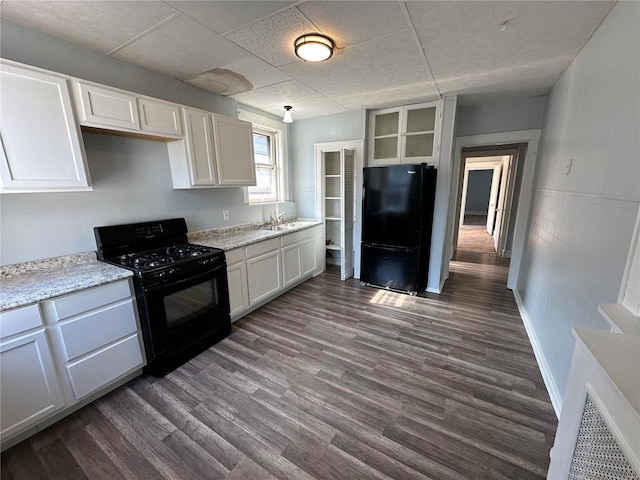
191	279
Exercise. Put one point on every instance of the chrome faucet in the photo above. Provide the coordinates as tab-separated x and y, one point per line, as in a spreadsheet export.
281	219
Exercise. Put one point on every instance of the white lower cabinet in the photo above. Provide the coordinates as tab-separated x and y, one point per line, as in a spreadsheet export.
262	271
237	279
264	275
308	256
64	351
291	264
95	337
29	390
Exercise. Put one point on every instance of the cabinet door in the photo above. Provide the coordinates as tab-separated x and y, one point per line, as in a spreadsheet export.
385	137
234	151
104	107
308	256
238	295
420	133
291	264
199	143
29	389
41	145
159	117
264	275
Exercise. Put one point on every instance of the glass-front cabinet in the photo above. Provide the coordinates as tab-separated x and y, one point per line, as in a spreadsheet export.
407	134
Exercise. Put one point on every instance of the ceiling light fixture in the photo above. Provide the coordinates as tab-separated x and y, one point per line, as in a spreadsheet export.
287	114
314	47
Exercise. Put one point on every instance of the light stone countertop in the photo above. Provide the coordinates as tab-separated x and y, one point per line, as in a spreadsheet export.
242	235
32	282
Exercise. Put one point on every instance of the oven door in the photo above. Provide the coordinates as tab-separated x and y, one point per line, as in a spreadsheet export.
187	313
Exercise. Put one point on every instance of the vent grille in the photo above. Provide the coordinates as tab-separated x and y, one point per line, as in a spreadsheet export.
597	454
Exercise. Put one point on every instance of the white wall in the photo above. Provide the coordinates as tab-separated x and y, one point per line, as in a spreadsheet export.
131	178
581	224
478	192
503	116
304	135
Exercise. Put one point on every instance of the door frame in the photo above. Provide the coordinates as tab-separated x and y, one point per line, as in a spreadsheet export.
532	139
358	146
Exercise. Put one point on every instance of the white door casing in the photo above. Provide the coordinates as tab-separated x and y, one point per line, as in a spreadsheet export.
493	198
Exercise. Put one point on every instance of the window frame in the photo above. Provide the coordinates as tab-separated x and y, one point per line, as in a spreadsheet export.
278	132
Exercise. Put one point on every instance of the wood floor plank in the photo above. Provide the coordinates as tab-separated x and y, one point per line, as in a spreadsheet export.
331	380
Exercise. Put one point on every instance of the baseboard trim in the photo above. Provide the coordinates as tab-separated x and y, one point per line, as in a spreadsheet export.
549	383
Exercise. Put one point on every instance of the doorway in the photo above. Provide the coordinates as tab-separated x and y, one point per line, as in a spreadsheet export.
489	183
526	141
338	174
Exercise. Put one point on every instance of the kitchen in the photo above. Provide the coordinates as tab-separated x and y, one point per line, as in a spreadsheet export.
132	179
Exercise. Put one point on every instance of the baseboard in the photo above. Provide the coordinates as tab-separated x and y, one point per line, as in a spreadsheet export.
437	290
550	384
506	254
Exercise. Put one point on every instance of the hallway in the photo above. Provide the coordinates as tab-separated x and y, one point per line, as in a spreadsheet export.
331	380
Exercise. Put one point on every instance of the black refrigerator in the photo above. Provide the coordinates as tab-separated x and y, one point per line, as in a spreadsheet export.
397	213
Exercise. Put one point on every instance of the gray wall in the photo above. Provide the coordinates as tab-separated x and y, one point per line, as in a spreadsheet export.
304	135
478	191
131	178
581	224
504	116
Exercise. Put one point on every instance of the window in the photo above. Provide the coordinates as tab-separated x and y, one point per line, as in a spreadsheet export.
264	149
270	156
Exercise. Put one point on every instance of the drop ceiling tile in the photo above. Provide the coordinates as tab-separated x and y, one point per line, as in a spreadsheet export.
465	42
224	16
306	103
380	72
242	75
180	48
271	39
350	23
101	26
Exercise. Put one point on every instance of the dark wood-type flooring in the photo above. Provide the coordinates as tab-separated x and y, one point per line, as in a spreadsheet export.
330	381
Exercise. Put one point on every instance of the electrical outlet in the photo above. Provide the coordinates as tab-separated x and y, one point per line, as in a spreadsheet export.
225	215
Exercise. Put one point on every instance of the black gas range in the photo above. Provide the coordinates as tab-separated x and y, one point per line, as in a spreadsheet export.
181	288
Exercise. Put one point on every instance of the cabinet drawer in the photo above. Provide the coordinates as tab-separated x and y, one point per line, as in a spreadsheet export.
104	366
19	320
234	256
296	237
91	298
105	326
263	247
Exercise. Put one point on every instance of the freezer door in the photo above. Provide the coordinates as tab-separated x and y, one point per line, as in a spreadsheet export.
395	268
392	205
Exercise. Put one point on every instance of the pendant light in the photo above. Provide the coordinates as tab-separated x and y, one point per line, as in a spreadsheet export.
287	115
314	47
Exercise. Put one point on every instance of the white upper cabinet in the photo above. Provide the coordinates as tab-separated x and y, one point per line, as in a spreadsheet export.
41	145
117	110
234	151
405	135
216	151
105	107
192	160
159	117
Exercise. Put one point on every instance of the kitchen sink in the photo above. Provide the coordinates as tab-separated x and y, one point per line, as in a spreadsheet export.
284	226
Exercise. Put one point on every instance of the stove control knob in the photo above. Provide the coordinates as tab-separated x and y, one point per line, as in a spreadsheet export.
171	271
161	274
